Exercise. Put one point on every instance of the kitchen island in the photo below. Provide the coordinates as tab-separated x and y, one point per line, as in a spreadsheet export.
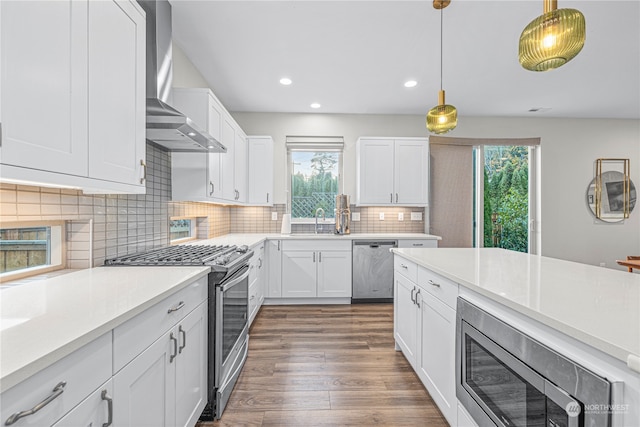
589	314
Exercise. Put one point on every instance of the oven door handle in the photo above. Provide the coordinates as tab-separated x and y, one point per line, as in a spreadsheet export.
231	283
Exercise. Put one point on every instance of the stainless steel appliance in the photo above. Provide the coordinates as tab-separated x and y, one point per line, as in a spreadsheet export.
372	271
343	214
167	126
228	310
506	378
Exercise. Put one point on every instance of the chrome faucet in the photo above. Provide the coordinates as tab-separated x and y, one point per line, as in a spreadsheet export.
323	218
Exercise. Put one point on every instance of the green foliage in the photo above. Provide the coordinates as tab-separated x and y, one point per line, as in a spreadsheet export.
507	194
317	190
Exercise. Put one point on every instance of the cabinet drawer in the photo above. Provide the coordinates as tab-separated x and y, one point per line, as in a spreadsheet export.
133	336
418	243
438	286
316	245
84	370
406	268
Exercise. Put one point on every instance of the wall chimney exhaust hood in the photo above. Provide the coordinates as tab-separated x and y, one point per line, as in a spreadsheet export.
167	126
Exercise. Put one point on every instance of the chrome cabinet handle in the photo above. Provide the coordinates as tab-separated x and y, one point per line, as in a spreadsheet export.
418	244
396	197
417	302
319	256
278	244
212	188
314	257
267	197
432	283
176	308
144	171
404	266
57	391
175	347
260	261
109	400
184	339
390	197
412	291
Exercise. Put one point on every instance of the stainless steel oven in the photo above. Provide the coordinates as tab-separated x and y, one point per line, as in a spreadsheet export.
228	310
230	339
506	378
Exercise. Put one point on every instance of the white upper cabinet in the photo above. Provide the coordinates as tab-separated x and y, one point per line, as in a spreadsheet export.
73	94
392	171
116	92
211	177
260	170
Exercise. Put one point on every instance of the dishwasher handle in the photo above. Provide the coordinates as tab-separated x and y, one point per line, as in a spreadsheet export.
375	244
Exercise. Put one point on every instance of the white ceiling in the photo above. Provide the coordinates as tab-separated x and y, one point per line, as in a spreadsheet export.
354	56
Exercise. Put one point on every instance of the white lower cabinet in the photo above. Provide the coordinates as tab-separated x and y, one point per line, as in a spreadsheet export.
405	316
424	330
95	410
273	287
316	269
257	278
166	384
66	383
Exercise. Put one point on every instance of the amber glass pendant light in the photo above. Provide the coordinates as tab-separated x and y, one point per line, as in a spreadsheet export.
552	39
442	118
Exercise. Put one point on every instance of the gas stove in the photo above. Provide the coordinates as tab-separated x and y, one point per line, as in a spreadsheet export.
220	258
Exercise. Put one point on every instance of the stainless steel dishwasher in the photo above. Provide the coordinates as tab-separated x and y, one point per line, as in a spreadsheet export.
372	271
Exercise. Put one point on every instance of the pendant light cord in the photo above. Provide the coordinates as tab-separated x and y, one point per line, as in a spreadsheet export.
441	32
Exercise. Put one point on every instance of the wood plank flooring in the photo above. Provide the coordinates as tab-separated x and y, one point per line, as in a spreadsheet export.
327	366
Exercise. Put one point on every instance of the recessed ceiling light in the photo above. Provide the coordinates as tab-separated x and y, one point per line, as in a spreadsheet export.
315	105
410	83
285	81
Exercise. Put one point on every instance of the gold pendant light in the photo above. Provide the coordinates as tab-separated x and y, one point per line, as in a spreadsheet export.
552	39
442	118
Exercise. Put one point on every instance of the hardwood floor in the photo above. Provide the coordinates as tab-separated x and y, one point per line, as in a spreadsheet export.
327	366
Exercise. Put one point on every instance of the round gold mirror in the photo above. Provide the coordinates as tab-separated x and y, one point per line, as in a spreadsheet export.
613	199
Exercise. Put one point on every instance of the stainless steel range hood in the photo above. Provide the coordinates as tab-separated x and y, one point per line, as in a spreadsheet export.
166	126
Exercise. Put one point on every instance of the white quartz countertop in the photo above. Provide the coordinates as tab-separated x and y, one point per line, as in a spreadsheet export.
43	321
596	305
252	239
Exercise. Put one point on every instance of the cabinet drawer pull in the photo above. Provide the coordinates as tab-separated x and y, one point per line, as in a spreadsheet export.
319	256
314	257
175	347
176	308
432	283
184	339
390	197
212	188
57	391
418	244
396	197
412	291
404	266
144	171
109	400
418	302
267	197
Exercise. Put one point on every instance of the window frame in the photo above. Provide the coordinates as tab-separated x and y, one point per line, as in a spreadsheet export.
193	230
57	244
314	148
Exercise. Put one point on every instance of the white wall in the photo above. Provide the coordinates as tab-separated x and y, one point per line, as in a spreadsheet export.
569	148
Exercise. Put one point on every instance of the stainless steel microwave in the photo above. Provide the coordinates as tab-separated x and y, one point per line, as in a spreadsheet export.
506	378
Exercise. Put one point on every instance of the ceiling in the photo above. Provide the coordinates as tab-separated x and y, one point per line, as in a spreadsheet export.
354	56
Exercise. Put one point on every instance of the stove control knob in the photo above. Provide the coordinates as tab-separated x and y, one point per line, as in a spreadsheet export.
243	249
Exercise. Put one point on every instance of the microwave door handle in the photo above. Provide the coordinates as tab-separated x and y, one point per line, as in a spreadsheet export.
563	400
